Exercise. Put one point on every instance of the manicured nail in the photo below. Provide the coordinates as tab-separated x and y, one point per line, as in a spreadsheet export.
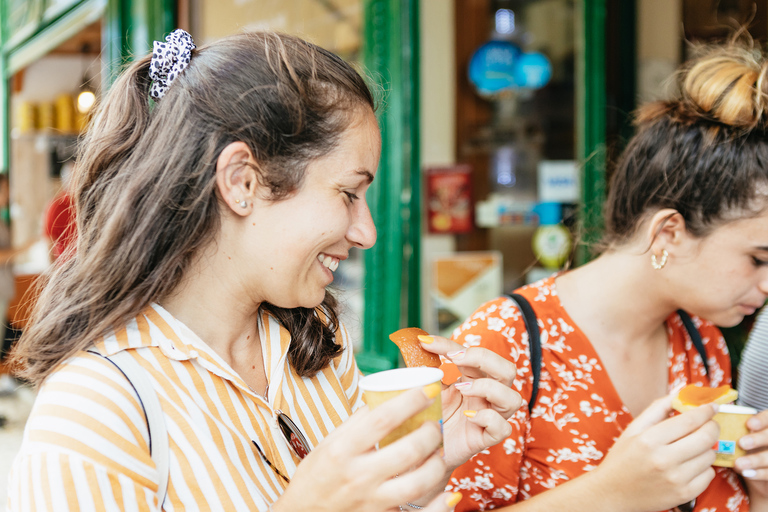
749	473
463	385
747	442
456	355
432	390
470	414
453	499
425	339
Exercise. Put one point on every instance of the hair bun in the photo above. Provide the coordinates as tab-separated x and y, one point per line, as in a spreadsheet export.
726	84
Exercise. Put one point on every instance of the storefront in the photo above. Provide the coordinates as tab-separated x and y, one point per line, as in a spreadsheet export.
495	116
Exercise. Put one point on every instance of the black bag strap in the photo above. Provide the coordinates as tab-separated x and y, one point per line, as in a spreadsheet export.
534	342
695	336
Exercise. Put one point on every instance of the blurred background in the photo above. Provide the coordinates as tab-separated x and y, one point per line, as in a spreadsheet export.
500	120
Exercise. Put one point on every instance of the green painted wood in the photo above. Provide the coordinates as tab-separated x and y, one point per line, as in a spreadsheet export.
50	34
390	55
5	94
590	106
129	28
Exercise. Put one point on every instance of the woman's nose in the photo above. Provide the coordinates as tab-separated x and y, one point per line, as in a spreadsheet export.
362	230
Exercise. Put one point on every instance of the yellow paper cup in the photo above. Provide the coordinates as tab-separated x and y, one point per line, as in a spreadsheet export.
733	425
380	387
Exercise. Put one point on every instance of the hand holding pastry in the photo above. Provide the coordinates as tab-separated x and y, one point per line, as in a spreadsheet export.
475	408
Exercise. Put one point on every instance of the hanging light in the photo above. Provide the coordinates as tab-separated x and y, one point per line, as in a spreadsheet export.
87	96
85	101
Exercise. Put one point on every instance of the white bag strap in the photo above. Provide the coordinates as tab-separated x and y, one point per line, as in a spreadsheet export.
153	412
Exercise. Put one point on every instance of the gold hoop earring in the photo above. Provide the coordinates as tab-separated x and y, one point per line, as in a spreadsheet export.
658	265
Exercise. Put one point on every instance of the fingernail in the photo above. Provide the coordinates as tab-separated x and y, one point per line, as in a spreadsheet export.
463	385
749	473
753	423
456	355
470	413
716	407
453	499
747	442
425	339
432	390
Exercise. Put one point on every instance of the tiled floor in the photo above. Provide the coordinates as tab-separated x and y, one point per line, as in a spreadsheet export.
16	408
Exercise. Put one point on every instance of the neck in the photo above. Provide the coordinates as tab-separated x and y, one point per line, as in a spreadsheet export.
619	292
215	305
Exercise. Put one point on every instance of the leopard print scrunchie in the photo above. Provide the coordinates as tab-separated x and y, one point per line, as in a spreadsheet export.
169	59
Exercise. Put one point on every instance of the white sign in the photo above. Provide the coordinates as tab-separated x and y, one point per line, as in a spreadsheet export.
558	181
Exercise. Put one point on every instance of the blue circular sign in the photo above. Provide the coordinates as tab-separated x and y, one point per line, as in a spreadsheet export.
492	68
532	71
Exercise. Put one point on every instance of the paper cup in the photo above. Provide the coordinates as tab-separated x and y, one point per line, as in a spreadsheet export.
733	425
380	387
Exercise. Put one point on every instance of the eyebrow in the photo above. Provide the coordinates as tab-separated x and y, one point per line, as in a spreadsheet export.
367	174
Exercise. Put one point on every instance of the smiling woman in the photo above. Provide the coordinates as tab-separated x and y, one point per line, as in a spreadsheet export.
211	219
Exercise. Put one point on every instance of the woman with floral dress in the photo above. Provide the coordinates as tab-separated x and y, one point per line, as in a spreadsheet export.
687	229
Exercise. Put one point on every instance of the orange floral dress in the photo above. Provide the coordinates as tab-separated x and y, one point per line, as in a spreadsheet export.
578	413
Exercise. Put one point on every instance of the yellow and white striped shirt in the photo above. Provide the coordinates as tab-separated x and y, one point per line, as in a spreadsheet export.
86	442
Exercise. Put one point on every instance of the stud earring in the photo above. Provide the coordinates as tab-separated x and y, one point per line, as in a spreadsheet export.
658	265
242	203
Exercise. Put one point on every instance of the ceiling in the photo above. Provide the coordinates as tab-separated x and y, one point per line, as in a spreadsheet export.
87	40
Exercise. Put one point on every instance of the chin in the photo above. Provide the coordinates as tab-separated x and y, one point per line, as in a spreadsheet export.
727	320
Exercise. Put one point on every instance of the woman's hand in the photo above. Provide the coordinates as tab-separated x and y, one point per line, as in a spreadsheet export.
476	408
754	466
659	462
346	472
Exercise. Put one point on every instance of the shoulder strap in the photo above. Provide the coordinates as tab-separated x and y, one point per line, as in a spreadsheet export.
534	343
695	336
153	412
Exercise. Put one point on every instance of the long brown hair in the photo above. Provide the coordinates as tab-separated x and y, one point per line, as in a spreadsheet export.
703	152
145	193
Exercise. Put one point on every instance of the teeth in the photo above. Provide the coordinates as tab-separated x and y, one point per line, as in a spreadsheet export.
328	262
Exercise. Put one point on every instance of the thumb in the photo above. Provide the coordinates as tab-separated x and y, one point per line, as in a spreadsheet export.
655	413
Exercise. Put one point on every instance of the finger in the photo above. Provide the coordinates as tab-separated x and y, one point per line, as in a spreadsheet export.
754	474
495	428
693	445
439	345
444	502
758	422
700	483
409	451
655	413
414	484
479	362
503	399
756	460
755	440
683	424
695	466
371	427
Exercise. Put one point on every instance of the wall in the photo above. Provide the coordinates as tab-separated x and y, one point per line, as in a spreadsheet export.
438	121
659	33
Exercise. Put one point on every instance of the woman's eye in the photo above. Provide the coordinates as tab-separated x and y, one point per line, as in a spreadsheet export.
352	196
758	262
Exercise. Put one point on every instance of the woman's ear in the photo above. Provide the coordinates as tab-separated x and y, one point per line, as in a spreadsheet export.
236	177
666	230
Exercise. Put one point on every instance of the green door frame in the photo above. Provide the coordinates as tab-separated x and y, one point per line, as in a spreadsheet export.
392	281
591	120
129	28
